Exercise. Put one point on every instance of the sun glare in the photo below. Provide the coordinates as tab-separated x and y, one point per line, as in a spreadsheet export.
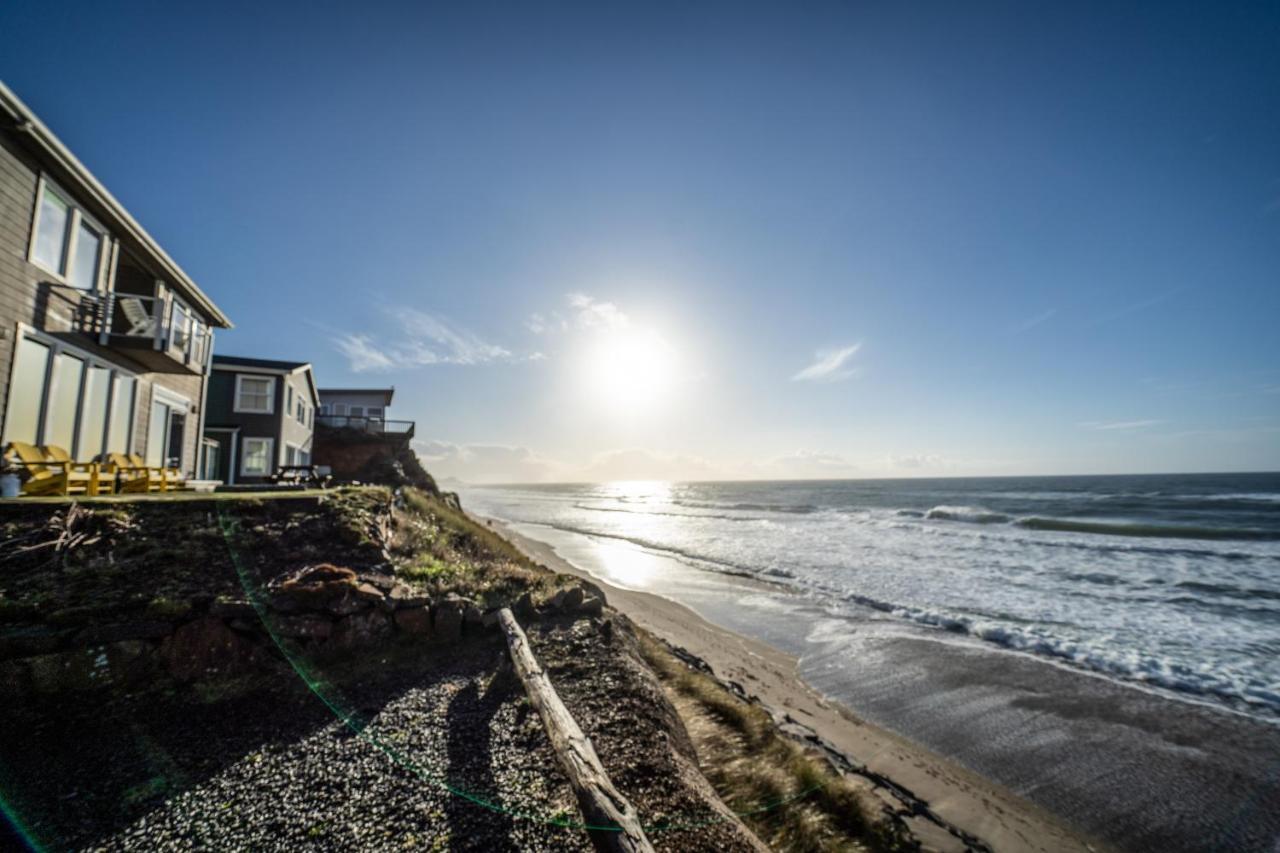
630	371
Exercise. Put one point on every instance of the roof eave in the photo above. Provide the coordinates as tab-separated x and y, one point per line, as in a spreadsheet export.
52	147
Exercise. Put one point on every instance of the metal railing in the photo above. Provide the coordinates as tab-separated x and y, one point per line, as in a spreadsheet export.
375	426
139	318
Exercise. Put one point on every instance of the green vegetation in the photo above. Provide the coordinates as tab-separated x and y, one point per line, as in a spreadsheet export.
754	768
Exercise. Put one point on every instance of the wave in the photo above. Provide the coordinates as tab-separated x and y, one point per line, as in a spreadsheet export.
1143	669
792	509
971	514
1144	529
717	516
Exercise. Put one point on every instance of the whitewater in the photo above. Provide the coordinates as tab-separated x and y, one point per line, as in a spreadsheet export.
1170	582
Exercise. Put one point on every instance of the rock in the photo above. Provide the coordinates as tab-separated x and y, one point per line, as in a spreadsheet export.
204	645
591	606
524	605
448	619
406	596
472	615
140	630
301	627
572	600
23	640
322	573
490	620
361	629
414	620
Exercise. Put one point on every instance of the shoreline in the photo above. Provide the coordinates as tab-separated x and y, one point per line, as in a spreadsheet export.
971	803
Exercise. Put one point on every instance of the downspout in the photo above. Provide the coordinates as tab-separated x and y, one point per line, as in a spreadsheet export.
204	404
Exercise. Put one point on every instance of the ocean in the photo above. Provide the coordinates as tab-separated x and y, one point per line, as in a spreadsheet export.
1166	582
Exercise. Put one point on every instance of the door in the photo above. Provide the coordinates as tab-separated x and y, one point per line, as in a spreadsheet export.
165	431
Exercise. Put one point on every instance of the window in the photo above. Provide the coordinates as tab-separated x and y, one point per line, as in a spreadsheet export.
26	392
255	460
63	396
52	218
340	408
64	401
375	412
66	241
300	412
121	415
357	411
288	397
84	266
324	408
255	394
93	412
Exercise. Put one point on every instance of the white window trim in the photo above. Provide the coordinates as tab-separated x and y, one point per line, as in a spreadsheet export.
244	456
271	395
76	213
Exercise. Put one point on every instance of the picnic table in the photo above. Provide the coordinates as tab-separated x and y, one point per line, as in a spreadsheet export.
302	475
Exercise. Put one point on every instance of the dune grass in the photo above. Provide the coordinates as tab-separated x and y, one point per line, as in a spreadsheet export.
789	796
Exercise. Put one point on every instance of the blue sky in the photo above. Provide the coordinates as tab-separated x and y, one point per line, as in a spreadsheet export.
718	240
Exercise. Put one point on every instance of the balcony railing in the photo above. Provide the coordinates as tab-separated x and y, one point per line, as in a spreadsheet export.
374	426
148	324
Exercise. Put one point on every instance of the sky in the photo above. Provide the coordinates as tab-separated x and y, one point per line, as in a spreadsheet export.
716	241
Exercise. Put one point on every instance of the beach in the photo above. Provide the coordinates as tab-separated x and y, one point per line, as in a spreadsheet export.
1024	751
972	803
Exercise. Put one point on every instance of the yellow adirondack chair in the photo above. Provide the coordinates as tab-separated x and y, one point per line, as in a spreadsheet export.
170	478
51	476
60	456
133	479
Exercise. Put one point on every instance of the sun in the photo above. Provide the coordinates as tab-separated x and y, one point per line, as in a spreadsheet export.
630	371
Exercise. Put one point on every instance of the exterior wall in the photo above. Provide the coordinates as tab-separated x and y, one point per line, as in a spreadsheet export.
299	435
27	297
376	400
221	413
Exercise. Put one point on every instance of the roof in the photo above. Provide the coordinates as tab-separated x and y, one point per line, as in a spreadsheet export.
385	392
75	177
261	363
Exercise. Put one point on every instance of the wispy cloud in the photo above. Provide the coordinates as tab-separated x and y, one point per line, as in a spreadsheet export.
1107	425
916	460
829	365
1150	302
590	313
1033	321
421	339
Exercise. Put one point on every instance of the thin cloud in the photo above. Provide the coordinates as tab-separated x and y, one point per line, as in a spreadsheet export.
1032	322
1109	425
829	365
423	339
593	314
1141	306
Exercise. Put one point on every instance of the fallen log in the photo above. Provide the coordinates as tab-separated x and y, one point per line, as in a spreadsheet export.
612	821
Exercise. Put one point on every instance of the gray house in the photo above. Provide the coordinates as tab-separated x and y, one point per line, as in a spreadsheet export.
364	409
261	415
104	340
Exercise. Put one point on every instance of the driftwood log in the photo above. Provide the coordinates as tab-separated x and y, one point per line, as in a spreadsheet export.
602	806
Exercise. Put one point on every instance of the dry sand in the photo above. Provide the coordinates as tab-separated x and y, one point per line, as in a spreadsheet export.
979	807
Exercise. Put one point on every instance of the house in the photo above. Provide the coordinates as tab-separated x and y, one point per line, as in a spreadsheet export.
261	415
104	341
363	409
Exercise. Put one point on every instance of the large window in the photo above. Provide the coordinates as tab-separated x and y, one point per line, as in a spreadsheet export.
255	394
67	241
26	391
62	396
255	459
64	402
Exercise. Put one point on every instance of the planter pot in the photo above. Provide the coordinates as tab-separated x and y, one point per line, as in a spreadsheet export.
10	486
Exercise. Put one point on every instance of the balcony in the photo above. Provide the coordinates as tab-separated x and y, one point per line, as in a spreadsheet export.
371	426
158	333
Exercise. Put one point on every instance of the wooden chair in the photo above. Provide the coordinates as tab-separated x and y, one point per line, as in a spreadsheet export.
170	478
49	476
59	455
131	478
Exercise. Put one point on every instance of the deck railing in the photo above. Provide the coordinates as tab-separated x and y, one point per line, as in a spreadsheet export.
375	426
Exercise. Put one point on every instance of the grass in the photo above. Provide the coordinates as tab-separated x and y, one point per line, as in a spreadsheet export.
788	795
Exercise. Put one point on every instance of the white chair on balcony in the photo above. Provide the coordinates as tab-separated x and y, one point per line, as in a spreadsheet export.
140	319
